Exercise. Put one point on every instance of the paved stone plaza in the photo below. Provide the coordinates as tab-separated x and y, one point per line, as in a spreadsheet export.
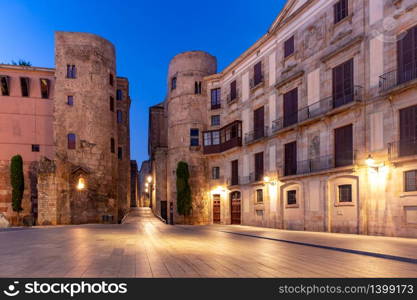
146	247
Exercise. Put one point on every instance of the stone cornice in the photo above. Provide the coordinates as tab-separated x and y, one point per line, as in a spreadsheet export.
344	47
287	80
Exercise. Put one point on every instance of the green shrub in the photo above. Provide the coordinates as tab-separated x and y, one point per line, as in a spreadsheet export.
184	200
17	181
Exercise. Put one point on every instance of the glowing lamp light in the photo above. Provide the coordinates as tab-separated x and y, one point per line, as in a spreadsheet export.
146	184
267	179
81	184
149	179
370	161
146	190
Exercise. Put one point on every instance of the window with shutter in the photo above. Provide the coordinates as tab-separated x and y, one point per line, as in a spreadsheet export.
289	47
235	172
233	91
259	123
290	158
258	77
407	56
408	131
340	10
291	107
259	166
344	146
343	87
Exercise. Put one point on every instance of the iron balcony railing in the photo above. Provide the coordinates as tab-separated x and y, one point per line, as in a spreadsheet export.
231	181
322	163
231	99
402	148
252	178
397	77
317	109
256	135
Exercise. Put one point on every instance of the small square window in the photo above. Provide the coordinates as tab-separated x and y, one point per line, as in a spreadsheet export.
36	148
410	181
215	173
70	100
259	196
345	193
215	120
292	197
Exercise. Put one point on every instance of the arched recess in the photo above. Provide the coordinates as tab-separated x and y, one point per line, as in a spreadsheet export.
292	205
343	203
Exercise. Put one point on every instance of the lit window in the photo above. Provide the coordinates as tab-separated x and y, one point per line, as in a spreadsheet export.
291	197
45	88
70	100
24	85
345	193
71	141
259	196
35	148
194	137
411	181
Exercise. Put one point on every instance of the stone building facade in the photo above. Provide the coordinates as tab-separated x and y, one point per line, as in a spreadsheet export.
314	127
80	153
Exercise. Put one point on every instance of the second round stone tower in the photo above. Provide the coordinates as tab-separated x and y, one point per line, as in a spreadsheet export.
186	109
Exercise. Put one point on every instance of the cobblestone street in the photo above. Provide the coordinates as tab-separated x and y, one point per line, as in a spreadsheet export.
145	247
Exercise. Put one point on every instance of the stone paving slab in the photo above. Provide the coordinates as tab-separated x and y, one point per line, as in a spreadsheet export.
146	247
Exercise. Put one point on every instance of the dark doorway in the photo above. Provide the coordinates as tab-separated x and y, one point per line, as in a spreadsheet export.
164	207
216	209
235	208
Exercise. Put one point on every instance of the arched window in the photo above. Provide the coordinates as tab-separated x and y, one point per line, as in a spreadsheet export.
71	141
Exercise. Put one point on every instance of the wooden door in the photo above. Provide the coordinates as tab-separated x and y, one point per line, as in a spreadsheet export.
235	208
343	146
216	209
290	159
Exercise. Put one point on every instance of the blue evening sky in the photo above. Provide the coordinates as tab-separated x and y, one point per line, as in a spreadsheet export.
146	33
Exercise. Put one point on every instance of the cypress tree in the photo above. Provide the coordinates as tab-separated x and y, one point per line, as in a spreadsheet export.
184	201
17	181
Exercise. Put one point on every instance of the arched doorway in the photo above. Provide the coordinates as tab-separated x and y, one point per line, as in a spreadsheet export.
235	208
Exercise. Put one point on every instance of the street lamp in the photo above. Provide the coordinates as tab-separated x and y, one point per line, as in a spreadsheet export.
149	179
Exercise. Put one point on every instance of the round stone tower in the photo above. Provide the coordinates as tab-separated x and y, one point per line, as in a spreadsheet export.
186	107
85	128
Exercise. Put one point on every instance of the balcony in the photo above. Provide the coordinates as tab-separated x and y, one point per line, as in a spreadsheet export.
256	135
402	148
316	110
228	137
319	164
233	181
398	77
252	178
